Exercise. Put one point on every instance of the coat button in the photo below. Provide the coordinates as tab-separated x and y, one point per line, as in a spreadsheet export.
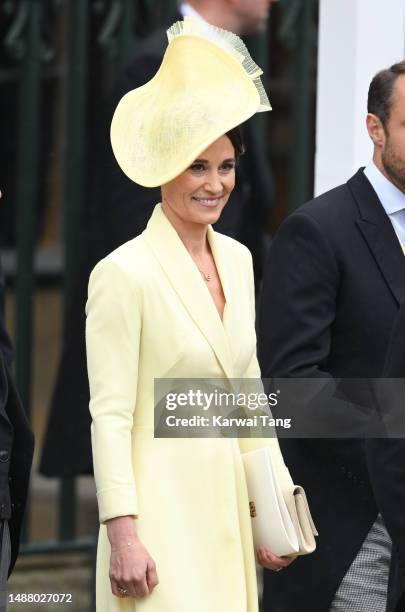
4	456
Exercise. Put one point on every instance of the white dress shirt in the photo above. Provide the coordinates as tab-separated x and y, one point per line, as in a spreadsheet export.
392	199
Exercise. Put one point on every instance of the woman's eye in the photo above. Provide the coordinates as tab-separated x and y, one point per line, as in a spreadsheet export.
197	167
227	167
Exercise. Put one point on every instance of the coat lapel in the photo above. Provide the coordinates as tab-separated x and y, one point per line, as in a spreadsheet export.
379	234
186	281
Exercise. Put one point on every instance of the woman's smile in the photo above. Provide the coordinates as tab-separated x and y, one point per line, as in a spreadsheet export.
209	202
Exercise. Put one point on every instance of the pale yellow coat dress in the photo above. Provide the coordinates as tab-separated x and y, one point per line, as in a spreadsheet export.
150	314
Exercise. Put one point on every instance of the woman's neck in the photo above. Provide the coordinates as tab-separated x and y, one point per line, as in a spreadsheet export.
192	235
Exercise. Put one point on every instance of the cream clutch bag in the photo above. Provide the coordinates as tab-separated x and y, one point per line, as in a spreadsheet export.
281	519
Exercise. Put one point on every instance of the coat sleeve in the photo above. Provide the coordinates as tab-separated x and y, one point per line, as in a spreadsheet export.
298	303
113	330
5	343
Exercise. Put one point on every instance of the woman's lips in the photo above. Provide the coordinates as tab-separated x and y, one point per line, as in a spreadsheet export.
208	202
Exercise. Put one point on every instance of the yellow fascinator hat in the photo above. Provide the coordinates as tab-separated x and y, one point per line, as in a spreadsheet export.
206	85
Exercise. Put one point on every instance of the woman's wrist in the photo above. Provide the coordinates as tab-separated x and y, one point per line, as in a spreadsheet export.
125	545
121	532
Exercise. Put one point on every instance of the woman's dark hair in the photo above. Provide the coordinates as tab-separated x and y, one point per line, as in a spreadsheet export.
380	91
235	136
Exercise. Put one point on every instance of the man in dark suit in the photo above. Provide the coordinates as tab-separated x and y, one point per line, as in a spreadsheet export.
333	282
386	460
16	452
118	210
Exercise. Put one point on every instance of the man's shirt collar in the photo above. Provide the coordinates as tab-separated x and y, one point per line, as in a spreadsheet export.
389	195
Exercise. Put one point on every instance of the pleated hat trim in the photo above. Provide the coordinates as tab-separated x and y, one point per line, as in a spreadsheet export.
231	43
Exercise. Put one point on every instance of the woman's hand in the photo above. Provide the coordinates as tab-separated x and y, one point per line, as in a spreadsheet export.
132	569
270	561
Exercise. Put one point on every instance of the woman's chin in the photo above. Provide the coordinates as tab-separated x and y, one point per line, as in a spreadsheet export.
208	214
210	218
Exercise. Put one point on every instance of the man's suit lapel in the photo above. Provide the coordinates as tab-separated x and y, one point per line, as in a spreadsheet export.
379	234
187	282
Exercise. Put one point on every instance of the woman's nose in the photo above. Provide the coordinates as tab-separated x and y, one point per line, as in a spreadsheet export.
214	183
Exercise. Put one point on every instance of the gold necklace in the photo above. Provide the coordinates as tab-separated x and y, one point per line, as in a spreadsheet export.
207	277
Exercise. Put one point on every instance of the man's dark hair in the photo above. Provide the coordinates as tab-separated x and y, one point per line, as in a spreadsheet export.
380	91
235	136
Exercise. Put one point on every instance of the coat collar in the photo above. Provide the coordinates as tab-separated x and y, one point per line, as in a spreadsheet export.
187	282
379	234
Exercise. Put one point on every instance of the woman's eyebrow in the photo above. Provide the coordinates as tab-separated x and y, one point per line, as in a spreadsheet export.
205	161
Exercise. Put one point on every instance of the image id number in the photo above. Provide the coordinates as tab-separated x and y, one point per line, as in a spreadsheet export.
40	598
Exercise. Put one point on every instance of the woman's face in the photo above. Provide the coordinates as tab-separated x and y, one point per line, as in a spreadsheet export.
199	194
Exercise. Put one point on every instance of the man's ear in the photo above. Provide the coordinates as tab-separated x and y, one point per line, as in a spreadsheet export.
375	130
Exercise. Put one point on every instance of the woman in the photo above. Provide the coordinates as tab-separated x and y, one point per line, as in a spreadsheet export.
175	302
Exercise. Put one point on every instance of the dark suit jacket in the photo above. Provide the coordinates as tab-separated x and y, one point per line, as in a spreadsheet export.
333	282
386	463
117	210
16	446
